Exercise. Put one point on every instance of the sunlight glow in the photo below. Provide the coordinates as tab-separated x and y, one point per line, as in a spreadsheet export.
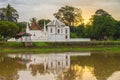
84	72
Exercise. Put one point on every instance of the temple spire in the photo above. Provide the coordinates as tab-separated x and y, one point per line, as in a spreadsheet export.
44	26
27	28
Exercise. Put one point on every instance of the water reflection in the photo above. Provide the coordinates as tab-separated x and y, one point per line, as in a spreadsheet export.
64	66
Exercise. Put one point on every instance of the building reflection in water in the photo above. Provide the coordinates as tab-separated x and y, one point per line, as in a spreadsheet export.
50	66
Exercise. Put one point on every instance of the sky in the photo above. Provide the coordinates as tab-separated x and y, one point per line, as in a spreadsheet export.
28	9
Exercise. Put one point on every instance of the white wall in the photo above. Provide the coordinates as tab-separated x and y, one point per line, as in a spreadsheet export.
37	34
58	35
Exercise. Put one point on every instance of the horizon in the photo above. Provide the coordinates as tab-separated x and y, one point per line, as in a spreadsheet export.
42	9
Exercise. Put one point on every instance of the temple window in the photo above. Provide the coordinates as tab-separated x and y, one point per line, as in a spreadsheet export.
50	30
66	31
58	31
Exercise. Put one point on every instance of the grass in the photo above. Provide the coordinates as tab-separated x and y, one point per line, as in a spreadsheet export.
49	50
41	47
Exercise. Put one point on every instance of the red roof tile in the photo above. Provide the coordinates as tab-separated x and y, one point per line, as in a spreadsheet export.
35	26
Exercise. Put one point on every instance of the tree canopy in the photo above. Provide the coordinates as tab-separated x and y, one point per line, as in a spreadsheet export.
117	33
42	21
22	26
8	29
9	13
101	12
71	16
102	26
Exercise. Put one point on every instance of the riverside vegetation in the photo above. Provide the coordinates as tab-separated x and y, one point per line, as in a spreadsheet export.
47	47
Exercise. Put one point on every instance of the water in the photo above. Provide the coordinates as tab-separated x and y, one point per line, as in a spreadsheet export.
61	66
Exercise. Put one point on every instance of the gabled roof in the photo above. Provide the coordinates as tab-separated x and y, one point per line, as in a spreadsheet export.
56	22
35	26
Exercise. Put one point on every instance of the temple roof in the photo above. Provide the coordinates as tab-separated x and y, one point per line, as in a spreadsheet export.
23	34
34	26
56	22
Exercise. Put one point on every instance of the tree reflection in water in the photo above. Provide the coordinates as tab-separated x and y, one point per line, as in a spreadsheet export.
103	65
9	68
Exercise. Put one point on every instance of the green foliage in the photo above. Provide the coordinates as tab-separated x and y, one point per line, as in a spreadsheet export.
88	31
8	29
101	12
73	35
77	32
9	13
102	26
42	21
80	30
69	15
117	33
22	26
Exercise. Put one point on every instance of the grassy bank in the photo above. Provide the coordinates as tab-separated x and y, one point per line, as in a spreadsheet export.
40	47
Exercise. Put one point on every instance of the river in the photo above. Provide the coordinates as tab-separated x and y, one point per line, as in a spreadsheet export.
60	66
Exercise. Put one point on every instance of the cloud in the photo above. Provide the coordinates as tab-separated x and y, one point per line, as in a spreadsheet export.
45	8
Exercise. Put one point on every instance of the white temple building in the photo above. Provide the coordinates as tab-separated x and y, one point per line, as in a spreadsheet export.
53	31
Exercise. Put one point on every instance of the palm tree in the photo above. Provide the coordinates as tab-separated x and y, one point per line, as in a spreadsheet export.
9	13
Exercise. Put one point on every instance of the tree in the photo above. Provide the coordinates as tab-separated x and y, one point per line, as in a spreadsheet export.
22	26
88	31
80	31
101	12
117	33
42	21
102	25
8	29
71	16
9	13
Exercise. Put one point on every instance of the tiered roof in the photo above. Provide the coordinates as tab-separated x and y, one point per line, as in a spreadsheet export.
35	26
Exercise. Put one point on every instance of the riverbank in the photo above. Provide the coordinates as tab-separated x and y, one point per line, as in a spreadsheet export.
40	47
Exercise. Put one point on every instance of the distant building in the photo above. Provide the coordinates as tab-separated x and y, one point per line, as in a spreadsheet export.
53	31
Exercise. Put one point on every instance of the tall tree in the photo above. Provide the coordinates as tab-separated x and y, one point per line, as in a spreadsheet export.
9	13
69	15
102	25
8	29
